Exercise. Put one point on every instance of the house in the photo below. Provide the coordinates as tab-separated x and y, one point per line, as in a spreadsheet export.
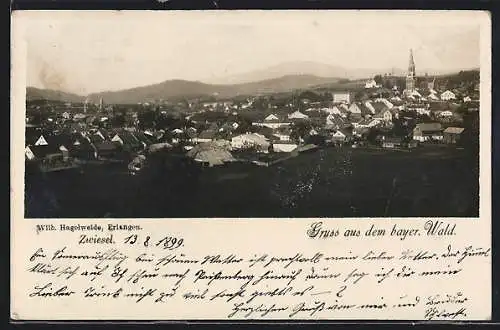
272	121
396	99
107	150
336	121
128	140
360	131
79	116
284	146
467	99
44	153
448	95
391	142
385	115
49	146
371	84
333	110
419	108
41	141
250	141
210	154
338	136
428	132
446	113
382	111
177	131
367	122
297	115
342	97
145	139
81	147
155	147
355	110
28	153
205	136
452	135
282	133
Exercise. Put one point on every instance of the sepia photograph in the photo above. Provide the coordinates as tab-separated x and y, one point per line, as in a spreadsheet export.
339	160
232	114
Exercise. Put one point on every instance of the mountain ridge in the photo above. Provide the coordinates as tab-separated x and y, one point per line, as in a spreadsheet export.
179	88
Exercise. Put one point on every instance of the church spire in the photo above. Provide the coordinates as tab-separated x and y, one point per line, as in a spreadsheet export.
410	76
411	65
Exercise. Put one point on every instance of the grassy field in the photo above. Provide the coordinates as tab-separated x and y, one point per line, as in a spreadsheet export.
432	181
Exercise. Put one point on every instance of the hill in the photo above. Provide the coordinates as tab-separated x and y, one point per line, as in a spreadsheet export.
175	89
33	94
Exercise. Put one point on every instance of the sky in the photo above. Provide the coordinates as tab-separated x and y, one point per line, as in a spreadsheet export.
85	52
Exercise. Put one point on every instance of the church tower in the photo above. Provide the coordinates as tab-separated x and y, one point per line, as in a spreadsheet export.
410	76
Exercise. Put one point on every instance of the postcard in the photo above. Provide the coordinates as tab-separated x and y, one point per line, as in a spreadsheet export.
251	165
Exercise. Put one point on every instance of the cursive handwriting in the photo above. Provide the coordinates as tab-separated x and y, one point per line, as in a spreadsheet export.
146	270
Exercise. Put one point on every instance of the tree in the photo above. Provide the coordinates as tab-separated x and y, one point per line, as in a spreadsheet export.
244	125
146	119
373	135
300	130
378	79
118	120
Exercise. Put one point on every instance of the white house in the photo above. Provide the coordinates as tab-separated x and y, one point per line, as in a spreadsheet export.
338	136
41	141
448	95
204	137
282	136
385	115
446	113
371	84
28	153
342	97
250	140
272	121
355	109
297	115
